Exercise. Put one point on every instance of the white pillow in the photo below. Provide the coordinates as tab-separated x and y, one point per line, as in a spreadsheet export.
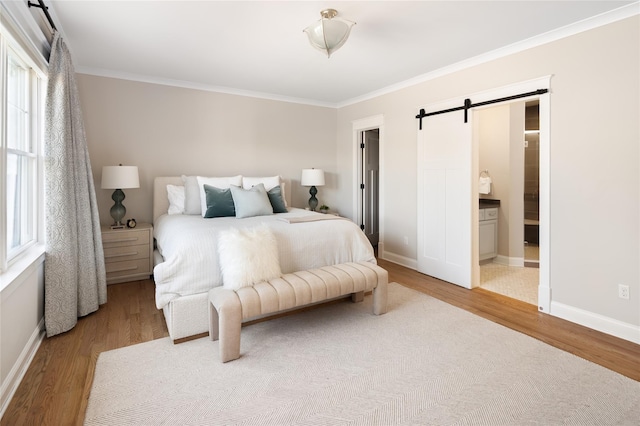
269	182
218	182
248	256
191	195
175	194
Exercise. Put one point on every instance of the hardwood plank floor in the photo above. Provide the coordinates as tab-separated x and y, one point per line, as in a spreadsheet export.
55	389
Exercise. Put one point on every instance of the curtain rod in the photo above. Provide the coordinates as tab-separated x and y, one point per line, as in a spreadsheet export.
467	105
44	8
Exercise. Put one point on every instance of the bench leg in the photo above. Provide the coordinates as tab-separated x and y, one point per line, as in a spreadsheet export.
357	297
214	332
380	293
225	322
229	326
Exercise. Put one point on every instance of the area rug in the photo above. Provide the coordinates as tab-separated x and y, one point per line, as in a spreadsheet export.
423	363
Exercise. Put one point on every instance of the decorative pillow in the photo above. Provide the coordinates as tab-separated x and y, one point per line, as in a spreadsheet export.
269	182
219	202
251	202
218	182
175	194
277	200
248	256
191	195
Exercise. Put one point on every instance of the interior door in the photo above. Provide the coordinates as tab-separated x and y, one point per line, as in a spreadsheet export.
371	182
444	197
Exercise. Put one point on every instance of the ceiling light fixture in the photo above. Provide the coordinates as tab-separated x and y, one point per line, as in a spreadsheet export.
329	33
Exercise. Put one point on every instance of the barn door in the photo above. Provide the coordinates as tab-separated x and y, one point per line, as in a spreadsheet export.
444	198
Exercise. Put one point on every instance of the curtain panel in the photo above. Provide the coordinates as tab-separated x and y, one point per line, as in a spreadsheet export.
75	278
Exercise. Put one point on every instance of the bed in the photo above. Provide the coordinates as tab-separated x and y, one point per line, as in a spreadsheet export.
187	263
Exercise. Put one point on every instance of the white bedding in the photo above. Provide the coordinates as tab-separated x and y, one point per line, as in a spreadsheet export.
188	245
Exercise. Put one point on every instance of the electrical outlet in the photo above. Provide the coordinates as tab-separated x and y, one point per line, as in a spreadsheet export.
623	291
406	241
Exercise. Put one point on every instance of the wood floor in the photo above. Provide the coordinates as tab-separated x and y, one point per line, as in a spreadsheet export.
56	386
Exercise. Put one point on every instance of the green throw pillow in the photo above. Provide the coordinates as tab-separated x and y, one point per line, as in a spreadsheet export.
277	200
219	202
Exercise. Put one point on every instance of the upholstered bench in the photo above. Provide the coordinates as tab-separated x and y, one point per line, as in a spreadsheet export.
228	309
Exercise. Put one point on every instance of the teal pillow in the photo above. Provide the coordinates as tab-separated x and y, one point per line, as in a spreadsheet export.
251	202
219	202
277	200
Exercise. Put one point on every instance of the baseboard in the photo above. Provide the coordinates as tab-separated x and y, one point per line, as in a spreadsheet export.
10	385
598	322
396	258
509	261
544	298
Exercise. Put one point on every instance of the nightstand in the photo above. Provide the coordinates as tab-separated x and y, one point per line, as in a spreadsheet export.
128	253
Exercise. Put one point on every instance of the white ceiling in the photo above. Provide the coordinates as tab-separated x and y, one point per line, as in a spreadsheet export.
259	48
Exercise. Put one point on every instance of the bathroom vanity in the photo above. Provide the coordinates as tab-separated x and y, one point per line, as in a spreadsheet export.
488	228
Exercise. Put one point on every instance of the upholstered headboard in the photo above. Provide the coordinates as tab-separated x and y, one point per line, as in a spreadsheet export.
161	198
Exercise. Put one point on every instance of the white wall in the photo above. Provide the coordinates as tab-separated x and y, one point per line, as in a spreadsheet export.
21	326
594	166
169	131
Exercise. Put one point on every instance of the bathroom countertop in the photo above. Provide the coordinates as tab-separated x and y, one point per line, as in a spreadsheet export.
487	203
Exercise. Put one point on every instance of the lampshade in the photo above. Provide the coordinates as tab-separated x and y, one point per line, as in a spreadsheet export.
312	177
329	33
120	177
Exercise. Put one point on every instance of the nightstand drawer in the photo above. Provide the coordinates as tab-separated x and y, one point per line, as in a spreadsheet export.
128	268
123	238
118	254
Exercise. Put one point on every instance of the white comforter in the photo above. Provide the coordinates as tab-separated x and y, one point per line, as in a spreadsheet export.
188	245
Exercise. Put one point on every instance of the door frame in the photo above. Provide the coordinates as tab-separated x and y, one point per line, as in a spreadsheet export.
544	285
358	126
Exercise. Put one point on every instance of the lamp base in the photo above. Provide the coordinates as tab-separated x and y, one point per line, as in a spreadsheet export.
313	201
117	210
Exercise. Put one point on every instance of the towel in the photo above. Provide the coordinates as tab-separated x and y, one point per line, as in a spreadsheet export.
484	185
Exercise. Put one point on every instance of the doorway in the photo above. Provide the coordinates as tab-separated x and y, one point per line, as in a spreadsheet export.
369	184
368	165
448	220
532	185
508	145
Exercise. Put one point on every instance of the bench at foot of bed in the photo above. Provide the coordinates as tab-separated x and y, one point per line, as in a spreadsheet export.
229	308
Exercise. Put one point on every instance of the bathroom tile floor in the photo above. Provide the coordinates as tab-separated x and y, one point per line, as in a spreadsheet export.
511	281
531	252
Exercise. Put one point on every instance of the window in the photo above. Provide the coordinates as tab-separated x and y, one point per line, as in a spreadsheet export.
22	104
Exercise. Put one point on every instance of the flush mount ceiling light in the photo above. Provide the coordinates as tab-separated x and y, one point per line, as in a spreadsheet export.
329	33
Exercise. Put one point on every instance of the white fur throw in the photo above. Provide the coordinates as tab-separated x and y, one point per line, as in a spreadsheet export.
248	256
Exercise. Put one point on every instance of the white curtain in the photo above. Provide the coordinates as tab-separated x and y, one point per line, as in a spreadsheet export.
75	278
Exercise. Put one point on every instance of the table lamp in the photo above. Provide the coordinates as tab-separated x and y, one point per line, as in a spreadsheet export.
312	178
119	178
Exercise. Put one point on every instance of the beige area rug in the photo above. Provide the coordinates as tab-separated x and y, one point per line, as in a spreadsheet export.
423	363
